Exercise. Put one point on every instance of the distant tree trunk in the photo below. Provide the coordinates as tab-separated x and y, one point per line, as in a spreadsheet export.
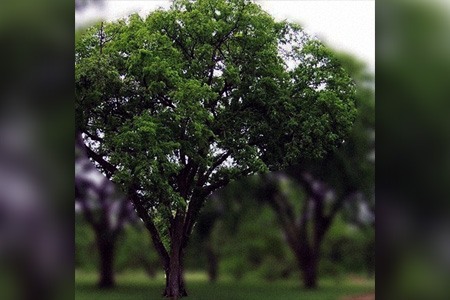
212	262
309	271
106	250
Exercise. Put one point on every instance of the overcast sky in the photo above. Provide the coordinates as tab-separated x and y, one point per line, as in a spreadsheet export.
344	25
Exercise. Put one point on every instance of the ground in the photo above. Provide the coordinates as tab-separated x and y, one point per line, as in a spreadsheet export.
137	285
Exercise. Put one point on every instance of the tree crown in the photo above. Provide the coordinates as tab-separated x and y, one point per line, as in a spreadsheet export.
177	104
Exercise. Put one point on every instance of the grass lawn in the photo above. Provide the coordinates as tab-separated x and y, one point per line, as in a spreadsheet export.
138	286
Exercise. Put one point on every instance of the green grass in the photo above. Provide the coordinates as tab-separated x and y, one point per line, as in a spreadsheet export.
138	286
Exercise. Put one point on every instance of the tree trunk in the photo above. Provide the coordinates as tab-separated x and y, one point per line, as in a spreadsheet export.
212	262
309	271
106	251
175	287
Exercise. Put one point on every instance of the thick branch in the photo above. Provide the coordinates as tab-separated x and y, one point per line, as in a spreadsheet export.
198	198
211	169
92	136
148	222
321	221
108	167
285	218
207	190
320	226
182	178
190	178
195	205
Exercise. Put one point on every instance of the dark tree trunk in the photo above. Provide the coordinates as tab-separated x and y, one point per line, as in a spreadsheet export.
310	273
175	287
307	260
106	251
212	262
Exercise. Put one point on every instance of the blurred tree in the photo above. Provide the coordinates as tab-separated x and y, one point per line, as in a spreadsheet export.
412	70
103	208
176	106
135	251
205	227
343	176
347	248
246	234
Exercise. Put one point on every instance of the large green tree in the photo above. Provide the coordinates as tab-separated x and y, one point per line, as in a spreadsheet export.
174	106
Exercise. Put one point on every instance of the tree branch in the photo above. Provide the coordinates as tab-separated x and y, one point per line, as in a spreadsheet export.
107	166
93	137
193	211
217	163
286	219
197	199
148	222
207	190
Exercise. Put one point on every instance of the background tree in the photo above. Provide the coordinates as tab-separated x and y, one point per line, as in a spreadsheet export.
176	106
104	208
308	197
246	235
136	252
205	227
344	177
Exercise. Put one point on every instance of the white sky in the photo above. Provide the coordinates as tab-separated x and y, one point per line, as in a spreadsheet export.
347	25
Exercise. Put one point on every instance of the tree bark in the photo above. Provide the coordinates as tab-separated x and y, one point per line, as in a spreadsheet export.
309	272
106	250
175	286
